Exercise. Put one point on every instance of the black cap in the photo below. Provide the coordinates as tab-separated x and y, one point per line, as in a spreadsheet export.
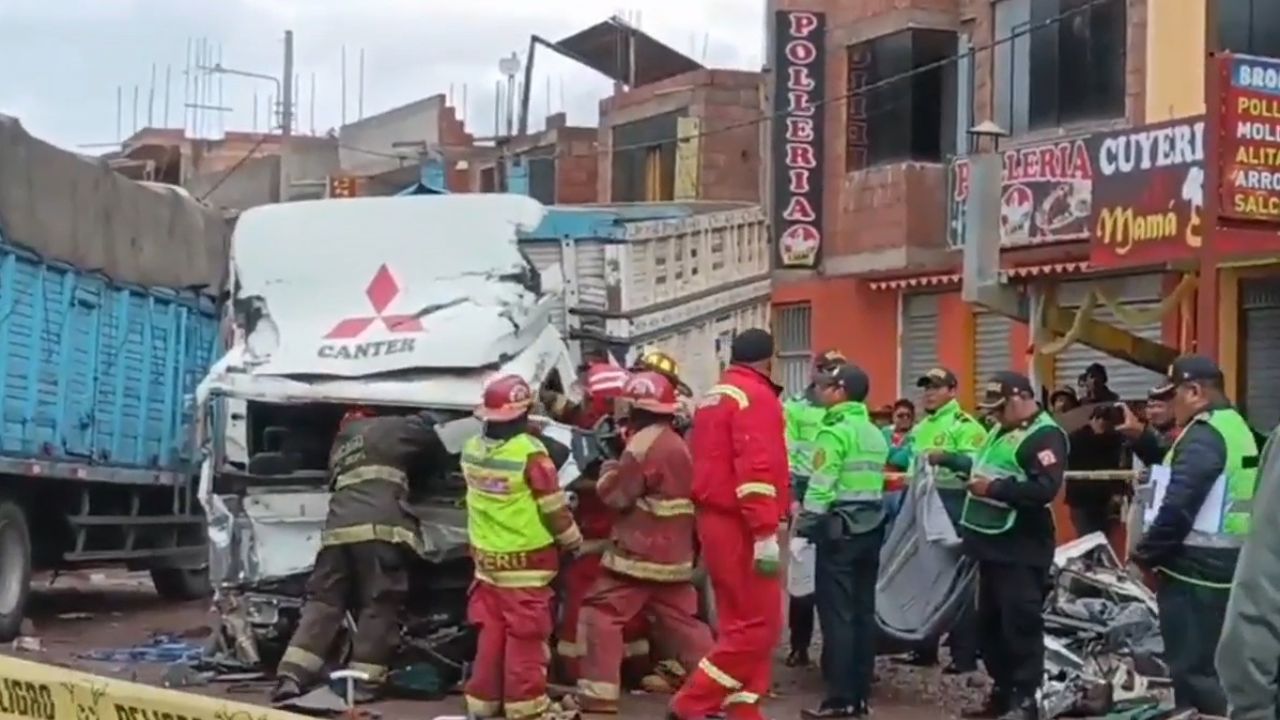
1161	392
937	377
828	360
752	345
1002	386
851	379
1189	368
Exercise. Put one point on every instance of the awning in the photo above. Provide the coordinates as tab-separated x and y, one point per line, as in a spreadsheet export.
946	279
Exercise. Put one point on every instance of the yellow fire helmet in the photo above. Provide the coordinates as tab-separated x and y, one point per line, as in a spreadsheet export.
663	364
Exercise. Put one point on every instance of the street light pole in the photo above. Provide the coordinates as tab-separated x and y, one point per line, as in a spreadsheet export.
286	115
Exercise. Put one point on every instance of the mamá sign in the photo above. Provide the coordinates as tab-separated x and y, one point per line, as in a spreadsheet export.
1249	144
1148	193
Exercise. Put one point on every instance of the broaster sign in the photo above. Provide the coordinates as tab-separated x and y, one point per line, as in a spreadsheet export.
799	67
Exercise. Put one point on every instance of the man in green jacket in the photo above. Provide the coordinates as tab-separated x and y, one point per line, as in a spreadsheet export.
804	414
947	438
844	515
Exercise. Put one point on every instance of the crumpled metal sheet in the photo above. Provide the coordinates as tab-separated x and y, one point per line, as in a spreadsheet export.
1101	626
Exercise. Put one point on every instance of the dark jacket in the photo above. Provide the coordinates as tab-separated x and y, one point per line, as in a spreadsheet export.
370	468
1043	456
1151	446
1198	459
1093	451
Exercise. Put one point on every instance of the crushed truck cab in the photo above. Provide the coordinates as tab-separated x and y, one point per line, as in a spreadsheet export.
404	303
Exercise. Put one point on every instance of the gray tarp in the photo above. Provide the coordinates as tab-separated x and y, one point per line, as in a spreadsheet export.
70	208
924	578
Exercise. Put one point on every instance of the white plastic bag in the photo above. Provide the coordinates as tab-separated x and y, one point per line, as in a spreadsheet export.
803	566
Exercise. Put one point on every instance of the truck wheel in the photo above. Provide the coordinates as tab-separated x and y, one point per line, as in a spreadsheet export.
182	583
15	568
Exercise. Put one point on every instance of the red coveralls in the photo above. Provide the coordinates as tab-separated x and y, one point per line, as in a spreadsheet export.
741	492
603	382
510	601
648	569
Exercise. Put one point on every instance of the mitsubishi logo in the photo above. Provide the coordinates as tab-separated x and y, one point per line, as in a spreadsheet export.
381	291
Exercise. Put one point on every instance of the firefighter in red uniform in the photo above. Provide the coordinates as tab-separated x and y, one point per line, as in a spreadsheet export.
741	493
648	569
518	522
602	383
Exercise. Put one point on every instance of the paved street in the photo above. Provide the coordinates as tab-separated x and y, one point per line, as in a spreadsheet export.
86	611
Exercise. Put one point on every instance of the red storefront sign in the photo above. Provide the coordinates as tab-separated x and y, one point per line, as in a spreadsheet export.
800	65
1249	138
1148	194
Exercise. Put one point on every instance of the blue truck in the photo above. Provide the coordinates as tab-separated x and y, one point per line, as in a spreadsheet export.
97	464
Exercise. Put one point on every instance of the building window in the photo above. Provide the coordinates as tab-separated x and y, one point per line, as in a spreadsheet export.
793	332
897	111
1071	69
644	165
1249	26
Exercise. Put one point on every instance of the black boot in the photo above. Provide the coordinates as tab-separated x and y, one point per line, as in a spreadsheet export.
957	667
286	689
833	709
1025	708
798	658
996	704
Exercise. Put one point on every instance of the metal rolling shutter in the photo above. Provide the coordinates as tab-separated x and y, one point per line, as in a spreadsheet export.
919	341
1260	305
1136	292
991	345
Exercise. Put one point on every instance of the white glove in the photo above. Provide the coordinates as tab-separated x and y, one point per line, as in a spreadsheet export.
767	556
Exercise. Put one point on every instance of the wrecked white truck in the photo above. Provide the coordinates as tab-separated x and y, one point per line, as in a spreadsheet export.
405	302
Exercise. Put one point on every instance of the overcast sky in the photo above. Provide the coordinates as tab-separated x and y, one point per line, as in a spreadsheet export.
63	60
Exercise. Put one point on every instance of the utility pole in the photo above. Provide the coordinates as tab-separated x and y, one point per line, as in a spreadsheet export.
286	114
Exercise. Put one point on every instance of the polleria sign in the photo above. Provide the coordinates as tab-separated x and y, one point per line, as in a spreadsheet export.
799	67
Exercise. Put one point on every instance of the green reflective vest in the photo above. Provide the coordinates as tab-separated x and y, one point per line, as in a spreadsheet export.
949	429
502	515
998	458
1240	476
848	460
804	418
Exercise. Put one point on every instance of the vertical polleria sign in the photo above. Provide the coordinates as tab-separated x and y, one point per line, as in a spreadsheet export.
799	74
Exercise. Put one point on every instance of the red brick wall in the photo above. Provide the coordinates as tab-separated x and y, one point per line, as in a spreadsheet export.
730	145
576	168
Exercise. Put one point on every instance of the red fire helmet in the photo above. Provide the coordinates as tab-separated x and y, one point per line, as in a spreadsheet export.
652	392
506	397
603	380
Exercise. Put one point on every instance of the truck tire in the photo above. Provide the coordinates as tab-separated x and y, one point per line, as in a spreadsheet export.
182	583
15	568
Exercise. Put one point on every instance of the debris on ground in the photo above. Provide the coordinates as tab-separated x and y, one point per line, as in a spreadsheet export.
27	643
1102	635
159	649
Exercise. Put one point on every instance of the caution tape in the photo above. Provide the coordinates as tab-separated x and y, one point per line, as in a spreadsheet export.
34	691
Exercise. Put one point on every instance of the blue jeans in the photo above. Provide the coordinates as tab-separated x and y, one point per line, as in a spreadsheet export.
893	505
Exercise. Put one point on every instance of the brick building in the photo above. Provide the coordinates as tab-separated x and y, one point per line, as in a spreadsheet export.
902	83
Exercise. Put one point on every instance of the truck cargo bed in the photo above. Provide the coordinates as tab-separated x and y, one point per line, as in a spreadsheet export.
96	376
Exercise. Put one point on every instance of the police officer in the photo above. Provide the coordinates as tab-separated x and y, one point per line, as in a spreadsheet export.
365	548
1007	526
947	438
1194	548
804	414
843	513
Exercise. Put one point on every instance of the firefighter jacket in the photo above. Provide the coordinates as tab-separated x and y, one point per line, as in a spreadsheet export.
517	514
955	433
651	486
739	442
369	470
